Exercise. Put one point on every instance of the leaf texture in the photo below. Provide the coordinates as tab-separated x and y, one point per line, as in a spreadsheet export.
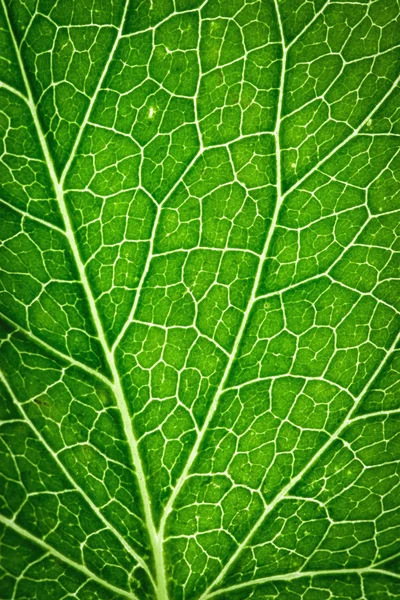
200	300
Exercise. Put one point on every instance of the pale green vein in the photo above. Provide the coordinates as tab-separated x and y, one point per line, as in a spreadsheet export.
66	358
303	574
117	387
82	568
283	493
246	316
350	137
74	484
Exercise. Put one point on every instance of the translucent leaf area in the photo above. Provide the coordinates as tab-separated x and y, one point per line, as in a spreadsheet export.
200	299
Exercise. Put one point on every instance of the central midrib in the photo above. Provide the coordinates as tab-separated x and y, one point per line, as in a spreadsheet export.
157	536
58	184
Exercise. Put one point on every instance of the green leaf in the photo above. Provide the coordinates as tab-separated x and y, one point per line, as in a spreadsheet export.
200	348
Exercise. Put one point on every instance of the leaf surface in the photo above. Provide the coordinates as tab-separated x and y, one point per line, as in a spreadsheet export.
200	300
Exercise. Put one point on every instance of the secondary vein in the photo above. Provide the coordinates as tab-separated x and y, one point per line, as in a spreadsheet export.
117	386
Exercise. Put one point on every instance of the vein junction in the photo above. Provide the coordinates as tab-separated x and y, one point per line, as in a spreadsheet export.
199	220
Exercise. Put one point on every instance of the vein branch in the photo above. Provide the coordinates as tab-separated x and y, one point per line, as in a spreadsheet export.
303	574
350	137
246	316
69	232
284	492
92	505
64	357
62	557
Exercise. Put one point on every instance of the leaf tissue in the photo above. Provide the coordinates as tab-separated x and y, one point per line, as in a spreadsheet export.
200	299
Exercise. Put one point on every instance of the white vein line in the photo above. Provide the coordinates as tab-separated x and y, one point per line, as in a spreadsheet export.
141	282
221	387
94	96
12	90
28	216
327	272
162	21
92	505
151	253
117	387
280	199
268	238
303	574
64	357
154	539
383	561
307	27
350	137
156	536
383	414
82	568
283	493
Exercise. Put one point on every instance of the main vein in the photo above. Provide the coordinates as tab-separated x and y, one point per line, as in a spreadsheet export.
61	466
156	537
58	185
